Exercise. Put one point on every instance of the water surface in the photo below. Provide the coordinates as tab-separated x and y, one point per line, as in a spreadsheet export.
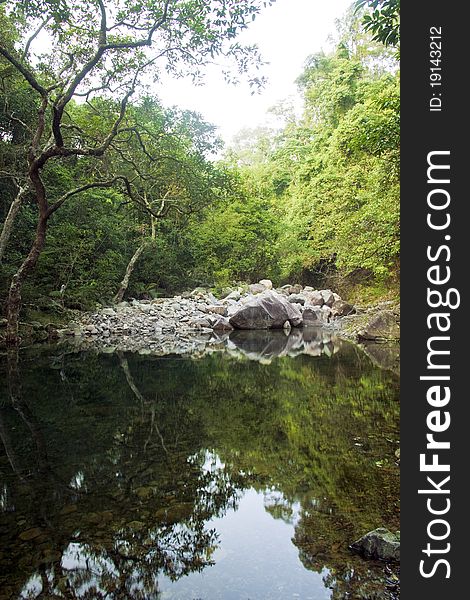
219	477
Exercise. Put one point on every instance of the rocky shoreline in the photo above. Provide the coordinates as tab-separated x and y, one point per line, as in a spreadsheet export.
197	322
309	320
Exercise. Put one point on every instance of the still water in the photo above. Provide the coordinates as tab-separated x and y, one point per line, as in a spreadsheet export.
231	476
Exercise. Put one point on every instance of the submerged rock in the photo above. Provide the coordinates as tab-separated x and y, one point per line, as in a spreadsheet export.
379	544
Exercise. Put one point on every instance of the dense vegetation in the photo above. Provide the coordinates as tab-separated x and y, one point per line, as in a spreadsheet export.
315	201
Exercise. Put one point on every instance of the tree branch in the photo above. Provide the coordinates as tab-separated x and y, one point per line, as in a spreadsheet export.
27	74
33	37
148	40
79	190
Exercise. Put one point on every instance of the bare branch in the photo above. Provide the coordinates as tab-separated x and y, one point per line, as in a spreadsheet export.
20	121
33	37
79	190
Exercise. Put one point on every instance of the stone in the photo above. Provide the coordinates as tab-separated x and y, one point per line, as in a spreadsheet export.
108	312
211	298
297	299
235	295
312	317
222	324
379	544
256	288
269	311
342	309
383	326
200	323
30	534
314	298
217	310
328	297
292	289
268	284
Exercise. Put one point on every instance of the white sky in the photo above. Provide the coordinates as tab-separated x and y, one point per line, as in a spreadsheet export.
286	33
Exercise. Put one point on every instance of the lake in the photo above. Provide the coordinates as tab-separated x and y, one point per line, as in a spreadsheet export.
239	473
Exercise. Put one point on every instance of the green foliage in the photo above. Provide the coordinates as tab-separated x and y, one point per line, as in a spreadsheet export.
317	198
332	178
383	21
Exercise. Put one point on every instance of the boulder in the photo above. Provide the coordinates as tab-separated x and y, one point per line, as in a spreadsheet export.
291	289
268	284
384	325
342	309
379	544
297	299
222	324
268	311
235	295
314	298
256	288
328	297
313	317
296	289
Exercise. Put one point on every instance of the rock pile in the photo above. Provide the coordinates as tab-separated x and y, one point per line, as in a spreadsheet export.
260	307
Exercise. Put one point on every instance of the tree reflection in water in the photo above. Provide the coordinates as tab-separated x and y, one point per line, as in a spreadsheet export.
113	466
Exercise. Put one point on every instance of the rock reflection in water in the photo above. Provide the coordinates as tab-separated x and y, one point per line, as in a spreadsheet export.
265	345
117	470
261	345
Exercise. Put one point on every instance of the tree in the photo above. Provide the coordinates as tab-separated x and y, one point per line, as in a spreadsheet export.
332	177
384	20
99	47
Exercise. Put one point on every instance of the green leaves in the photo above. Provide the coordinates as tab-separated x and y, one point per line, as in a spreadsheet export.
383	21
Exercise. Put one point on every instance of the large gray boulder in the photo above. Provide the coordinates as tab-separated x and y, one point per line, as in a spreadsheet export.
379	544
267	311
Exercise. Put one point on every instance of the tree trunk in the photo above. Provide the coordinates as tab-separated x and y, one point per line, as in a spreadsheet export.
14	296
130	267
10	219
